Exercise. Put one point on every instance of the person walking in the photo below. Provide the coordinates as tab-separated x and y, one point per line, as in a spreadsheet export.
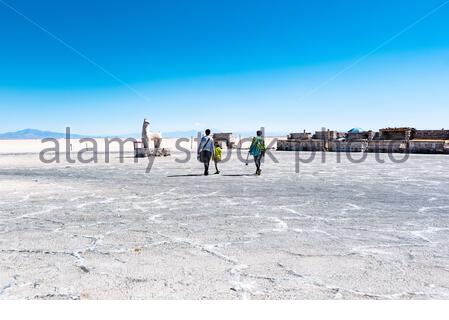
257	150
217	156
206	151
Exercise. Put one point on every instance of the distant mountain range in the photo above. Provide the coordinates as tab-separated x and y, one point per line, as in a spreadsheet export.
35	134
40	134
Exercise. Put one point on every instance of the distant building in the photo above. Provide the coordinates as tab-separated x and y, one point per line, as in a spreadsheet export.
431	134
358	136
387	146
300	145
394	140
429	146
326	135
405	134
348	146
302	141
225	138
300	136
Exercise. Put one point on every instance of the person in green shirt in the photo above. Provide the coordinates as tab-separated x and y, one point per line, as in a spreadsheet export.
217	156
257	150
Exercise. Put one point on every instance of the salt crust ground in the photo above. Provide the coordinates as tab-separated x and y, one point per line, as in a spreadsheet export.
334	231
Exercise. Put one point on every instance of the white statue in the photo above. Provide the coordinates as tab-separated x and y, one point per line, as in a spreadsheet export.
145	136
156	137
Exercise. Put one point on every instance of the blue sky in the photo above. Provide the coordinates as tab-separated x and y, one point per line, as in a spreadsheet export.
233	65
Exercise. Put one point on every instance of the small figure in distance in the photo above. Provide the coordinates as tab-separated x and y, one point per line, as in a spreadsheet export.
257	150
205	151
217	156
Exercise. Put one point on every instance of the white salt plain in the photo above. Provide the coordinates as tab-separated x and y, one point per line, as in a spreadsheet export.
333	231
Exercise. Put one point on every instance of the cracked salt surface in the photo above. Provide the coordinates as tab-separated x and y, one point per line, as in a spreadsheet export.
335	231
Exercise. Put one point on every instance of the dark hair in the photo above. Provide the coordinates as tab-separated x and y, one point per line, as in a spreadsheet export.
259	133
207	132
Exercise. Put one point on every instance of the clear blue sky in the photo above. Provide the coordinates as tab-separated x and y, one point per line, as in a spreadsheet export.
233	65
